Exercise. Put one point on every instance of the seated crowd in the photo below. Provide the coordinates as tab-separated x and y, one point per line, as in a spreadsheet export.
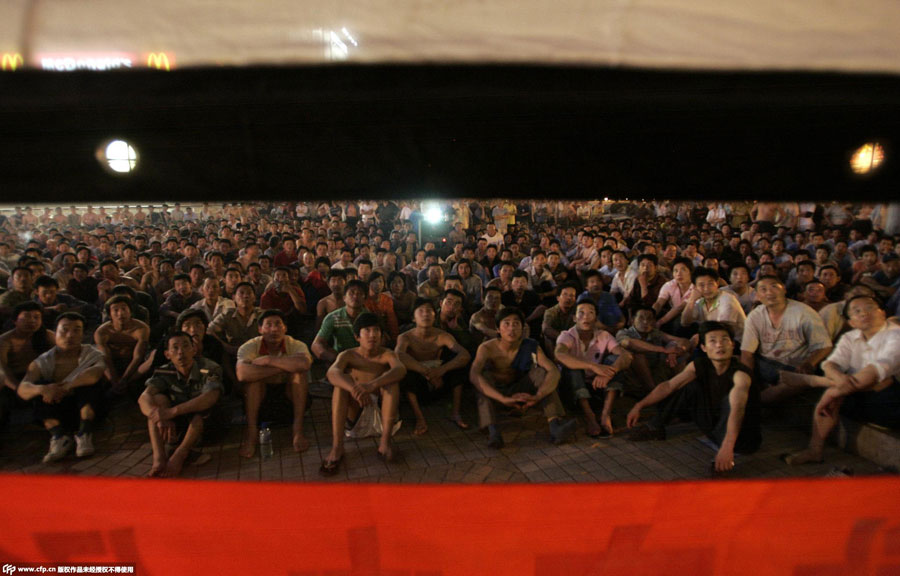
704	311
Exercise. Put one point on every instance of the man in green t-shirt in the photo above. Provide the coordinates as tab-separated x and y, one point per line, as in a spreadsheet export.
336	333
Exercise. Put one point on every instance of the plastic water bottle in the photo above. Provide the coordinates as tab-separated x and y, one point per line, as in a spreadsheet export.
265	442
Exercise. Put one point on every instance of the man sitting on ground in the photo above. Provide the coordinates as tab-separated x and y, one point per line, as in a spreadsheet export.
63	383
782	334
273	358
336	333
582	350
123	342
18	349
434	362
861	377
515	372
177	401
719	392
356	374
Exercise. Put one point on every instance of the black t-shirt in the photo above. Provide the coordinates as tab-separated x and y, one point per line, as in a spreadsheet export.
714	387
530	301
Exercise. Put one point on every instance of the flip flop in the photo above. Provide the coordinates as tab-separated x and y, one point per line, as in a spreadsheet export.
330	467
788	458
460	423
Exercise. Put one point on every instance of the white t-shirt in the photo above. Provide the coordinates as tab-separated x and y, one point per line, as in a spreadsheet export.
801	333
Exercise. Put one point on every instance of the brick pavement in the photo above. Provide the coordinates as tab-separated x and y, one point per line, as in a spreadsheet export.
445	455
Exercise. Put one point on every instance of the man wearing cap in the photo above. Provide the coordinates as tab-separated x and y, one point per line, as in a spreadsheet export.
273	358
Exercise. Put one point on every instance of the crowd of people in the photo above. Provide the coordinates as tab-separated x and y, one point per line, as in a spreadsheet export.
706	310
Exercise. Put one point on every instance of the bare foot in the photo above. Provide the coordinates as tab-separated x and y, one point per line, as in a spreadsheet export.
248	448
421	428
173	468
157	469
593	429
301	444
386	453
803	457
460	423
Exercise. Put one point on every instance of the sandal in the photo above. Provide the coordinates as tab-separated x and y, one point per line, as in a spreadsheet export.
330	467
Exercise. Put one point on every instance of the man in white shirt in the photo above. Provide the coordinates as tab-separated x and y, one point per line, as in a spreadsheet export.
861	377
493	236
707	302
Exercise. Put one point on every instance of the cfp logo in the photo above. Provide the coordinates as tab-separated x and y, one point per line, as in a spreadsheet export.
8	568
11	61
158	60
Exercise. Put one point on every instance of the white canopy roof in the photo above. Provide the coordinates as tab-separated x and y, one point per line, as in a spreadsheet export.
839	35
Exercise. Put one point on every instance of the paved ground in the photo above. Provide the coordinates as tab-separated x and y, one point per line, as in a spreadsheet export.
445	454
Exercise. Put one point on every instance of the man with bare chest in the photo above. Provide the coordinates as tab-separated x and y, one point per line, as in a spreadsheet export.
515	372
336	282
766	214
18	348
434	362
123	342
357	374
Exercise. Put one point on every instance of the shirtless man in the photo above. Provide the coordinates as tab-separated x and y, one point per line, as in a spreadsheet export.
18	348
336	282
766	214
63	382
273	358
123	342
515	372
431	357
356	374
176	402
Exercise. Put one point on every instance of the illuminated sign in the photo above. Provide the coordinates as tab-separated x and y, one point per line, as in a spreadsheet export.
71	62
94	62
11	61
160	61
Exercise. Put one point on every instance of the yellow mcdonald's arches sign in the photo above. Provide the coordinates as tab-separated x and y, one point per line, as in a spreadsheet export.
159	60
11	61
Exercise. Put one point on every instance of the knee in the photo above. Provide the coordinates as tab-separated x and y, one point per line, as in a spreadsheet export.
87	412
197	422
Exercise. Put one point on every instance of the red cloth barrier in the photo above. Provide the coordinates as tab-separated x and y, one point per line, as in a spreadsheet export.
800	527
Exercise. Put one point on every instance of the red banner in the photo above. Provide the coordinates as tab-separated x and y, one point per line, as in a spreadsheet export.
812	527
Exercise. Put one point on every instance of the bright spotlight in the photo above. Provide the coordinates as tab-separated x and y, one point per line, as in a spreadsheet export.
433	213
867	158
118	156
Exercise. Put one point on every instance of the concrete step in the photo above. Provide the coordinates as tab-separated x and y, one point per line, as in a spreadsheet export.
875	443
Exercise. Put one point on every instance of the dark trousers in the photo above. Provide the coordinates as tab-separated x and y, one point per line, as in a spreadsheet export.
528	383
687	400
67	410
881	408
415	383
